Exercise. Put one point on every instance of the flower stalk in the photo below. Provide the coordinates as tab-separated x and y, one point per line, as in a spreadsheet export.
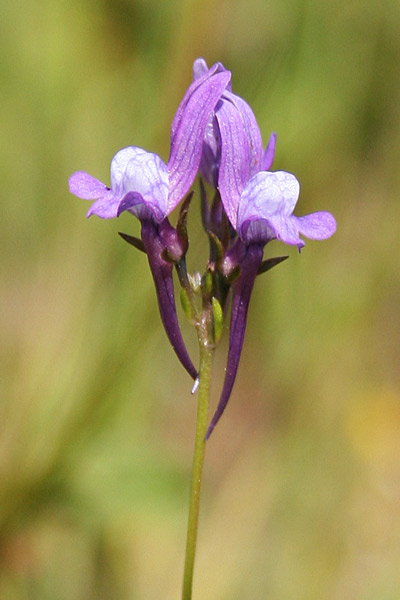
206	354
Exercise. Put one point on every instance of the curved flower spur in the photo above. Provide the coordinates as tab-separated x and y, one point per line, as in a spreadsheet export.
141	183
259	205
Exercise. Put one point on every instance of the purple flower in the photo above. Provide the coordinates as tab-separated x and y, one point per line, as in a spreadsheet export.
140	181
157	238
144	185
259	204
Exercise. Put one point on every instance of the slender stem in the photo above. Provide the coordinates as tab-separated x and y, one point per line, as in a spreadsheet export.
206	353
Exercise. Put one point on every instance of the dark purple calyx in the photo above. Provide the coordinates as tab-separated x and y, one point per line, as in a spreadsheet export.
241	293
154	237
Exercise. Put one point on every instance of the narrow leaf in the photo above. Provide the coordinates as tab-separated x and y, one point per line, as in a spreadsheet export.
266	265
134	241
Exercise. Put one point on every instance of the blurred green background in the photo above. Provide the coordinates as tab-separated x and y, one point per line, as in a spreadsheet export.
301	495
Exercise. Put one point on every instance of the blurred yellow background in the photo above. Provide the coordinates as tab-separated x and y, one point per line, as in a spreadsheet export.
301	495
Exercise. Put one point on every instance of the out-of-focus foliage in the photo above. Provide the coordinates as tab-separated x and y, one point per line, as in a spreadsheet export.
301	494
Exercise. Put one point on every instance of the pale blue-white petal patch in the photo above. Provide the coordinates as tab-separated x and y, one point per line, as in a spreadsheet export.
266	208
143	175
268	193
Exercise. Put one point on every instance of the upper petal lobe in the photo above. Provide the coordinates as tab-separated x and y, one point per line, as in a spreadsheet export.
187	134
86	186
316	226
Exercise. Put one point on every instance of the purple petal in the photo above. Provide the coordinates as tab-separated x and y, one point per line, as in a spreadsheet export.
188	135
162	275
266	207
316	226
200	68
252	132
211	153
287	229
86	186
235	158
135	204
257	231
139	183
203	75
284	228
242	289
105	207
212	141
269	154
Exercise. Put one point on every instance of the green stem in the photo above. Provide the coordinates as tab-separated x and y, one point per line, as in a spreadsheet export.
206	353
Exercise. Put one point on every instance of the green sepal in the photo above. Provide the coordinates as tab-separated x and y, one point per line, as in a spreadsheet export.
207	284
187	305
218	319
195	281
134	241
266	265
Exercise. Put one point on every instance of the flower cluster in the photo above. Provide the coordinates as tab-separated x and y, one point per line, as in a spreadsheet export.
214	133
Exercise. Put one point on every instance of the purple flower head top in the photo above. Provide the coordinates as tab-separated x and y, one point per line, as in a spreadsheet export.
212	143
259	204
140	181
